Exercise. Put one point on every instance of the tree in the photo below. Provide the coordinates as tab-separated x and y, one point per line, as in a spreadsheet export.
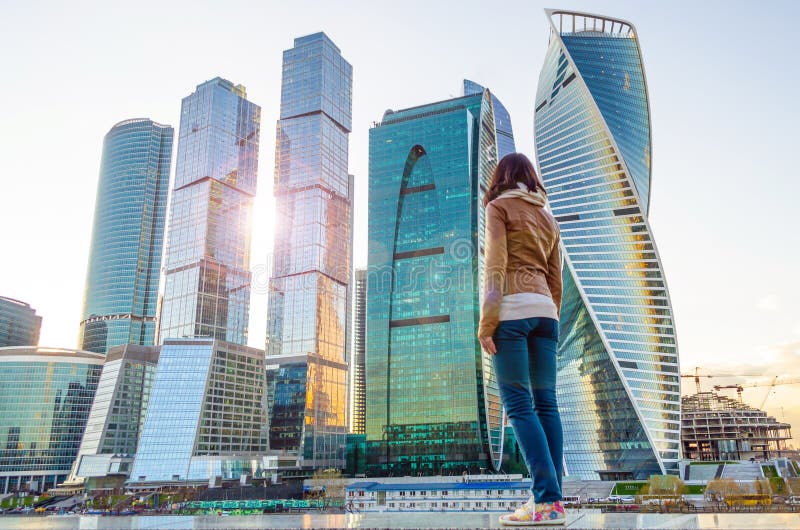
720	489
665	487
761	486
331	486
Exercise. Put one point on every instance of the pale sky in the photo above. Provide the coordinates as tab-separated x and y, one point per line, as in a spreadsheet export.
722	78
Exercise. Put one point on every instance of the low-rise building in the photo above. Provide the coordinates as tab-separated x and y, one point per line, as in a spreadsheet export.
206	419
482	493
116	418
45	398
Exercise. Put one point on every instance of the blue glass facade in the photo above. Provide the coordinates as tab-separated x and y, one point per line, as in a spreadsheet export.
619	385
512	461
207	276
45	397
19	323
121	296
309	302
502	120
205	416
433	402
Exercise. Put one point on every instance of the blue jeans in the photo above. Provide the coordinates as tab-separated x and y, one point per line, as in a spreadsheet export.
525	364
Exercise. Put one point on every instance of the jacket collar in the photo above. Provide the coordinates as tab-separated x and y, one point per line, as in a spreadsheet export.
534	197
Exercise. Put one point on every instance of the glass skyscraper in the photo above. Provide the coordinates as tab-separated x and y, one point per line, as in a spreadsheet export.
121	296
309	301
502	120
19	323
358	389
512	459
207	276
433	405
45	397
206	416
619	386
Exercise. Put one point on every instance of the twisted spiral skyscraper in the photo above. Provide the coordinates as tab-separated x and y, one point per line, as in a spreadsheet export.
619	385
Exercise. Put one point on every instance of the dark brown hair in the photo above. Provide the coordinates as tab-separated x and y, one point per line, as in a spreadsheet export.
512	168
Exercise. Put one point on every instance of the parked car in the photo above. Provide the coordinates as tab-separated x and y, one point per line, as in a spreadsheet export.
625	499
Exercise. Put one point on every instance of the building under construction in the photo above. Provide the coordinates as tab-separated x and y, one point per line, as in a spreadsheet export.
715	427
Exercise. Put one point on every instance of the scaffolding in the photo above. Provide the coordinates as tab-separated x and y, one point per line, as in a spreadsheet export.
715	427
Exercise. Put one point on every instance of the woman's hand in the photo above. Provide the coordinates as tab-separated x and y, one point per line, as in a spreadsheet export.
487	343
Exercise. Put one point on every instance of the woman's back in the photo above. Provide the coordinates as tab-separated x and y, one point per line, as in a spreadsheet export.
532	236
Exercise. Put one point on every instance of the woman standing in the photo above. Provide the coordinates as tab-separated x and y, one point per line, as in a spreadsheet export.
519	327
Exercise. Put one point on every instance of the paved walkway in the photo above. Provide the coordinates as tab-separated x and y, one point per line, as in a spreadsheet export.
577	519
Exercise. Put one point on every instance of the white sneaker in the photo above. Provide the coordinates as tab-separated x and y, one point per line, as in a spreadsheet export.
532	514
522	516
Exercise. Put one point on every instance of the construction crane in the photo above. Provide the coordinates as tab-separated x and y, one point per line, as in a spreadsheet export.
697	375
771	384
739	389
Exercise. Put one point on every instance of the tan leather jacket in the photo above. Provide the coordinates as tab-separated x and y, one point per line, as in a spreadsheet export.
522	256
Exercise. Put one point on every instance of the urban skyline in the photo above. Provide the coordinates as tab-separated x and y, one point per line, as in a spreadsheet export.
768	304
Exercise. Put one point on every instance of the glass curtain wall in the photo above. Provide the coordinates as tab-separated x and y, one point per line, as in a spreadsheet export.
619	379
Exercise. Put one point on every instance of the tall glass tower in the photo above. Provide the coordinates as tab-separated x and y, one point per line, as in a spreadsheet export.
121	296
433	406
619	382
309	302
207	277
358	389
512	458
502	120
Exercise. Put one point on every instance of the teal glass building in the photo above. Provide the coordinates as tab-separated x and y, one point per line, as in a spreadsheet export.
433	405
512	461
502	120
207	257
45	398
308	329
121	295
19	323
618	372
